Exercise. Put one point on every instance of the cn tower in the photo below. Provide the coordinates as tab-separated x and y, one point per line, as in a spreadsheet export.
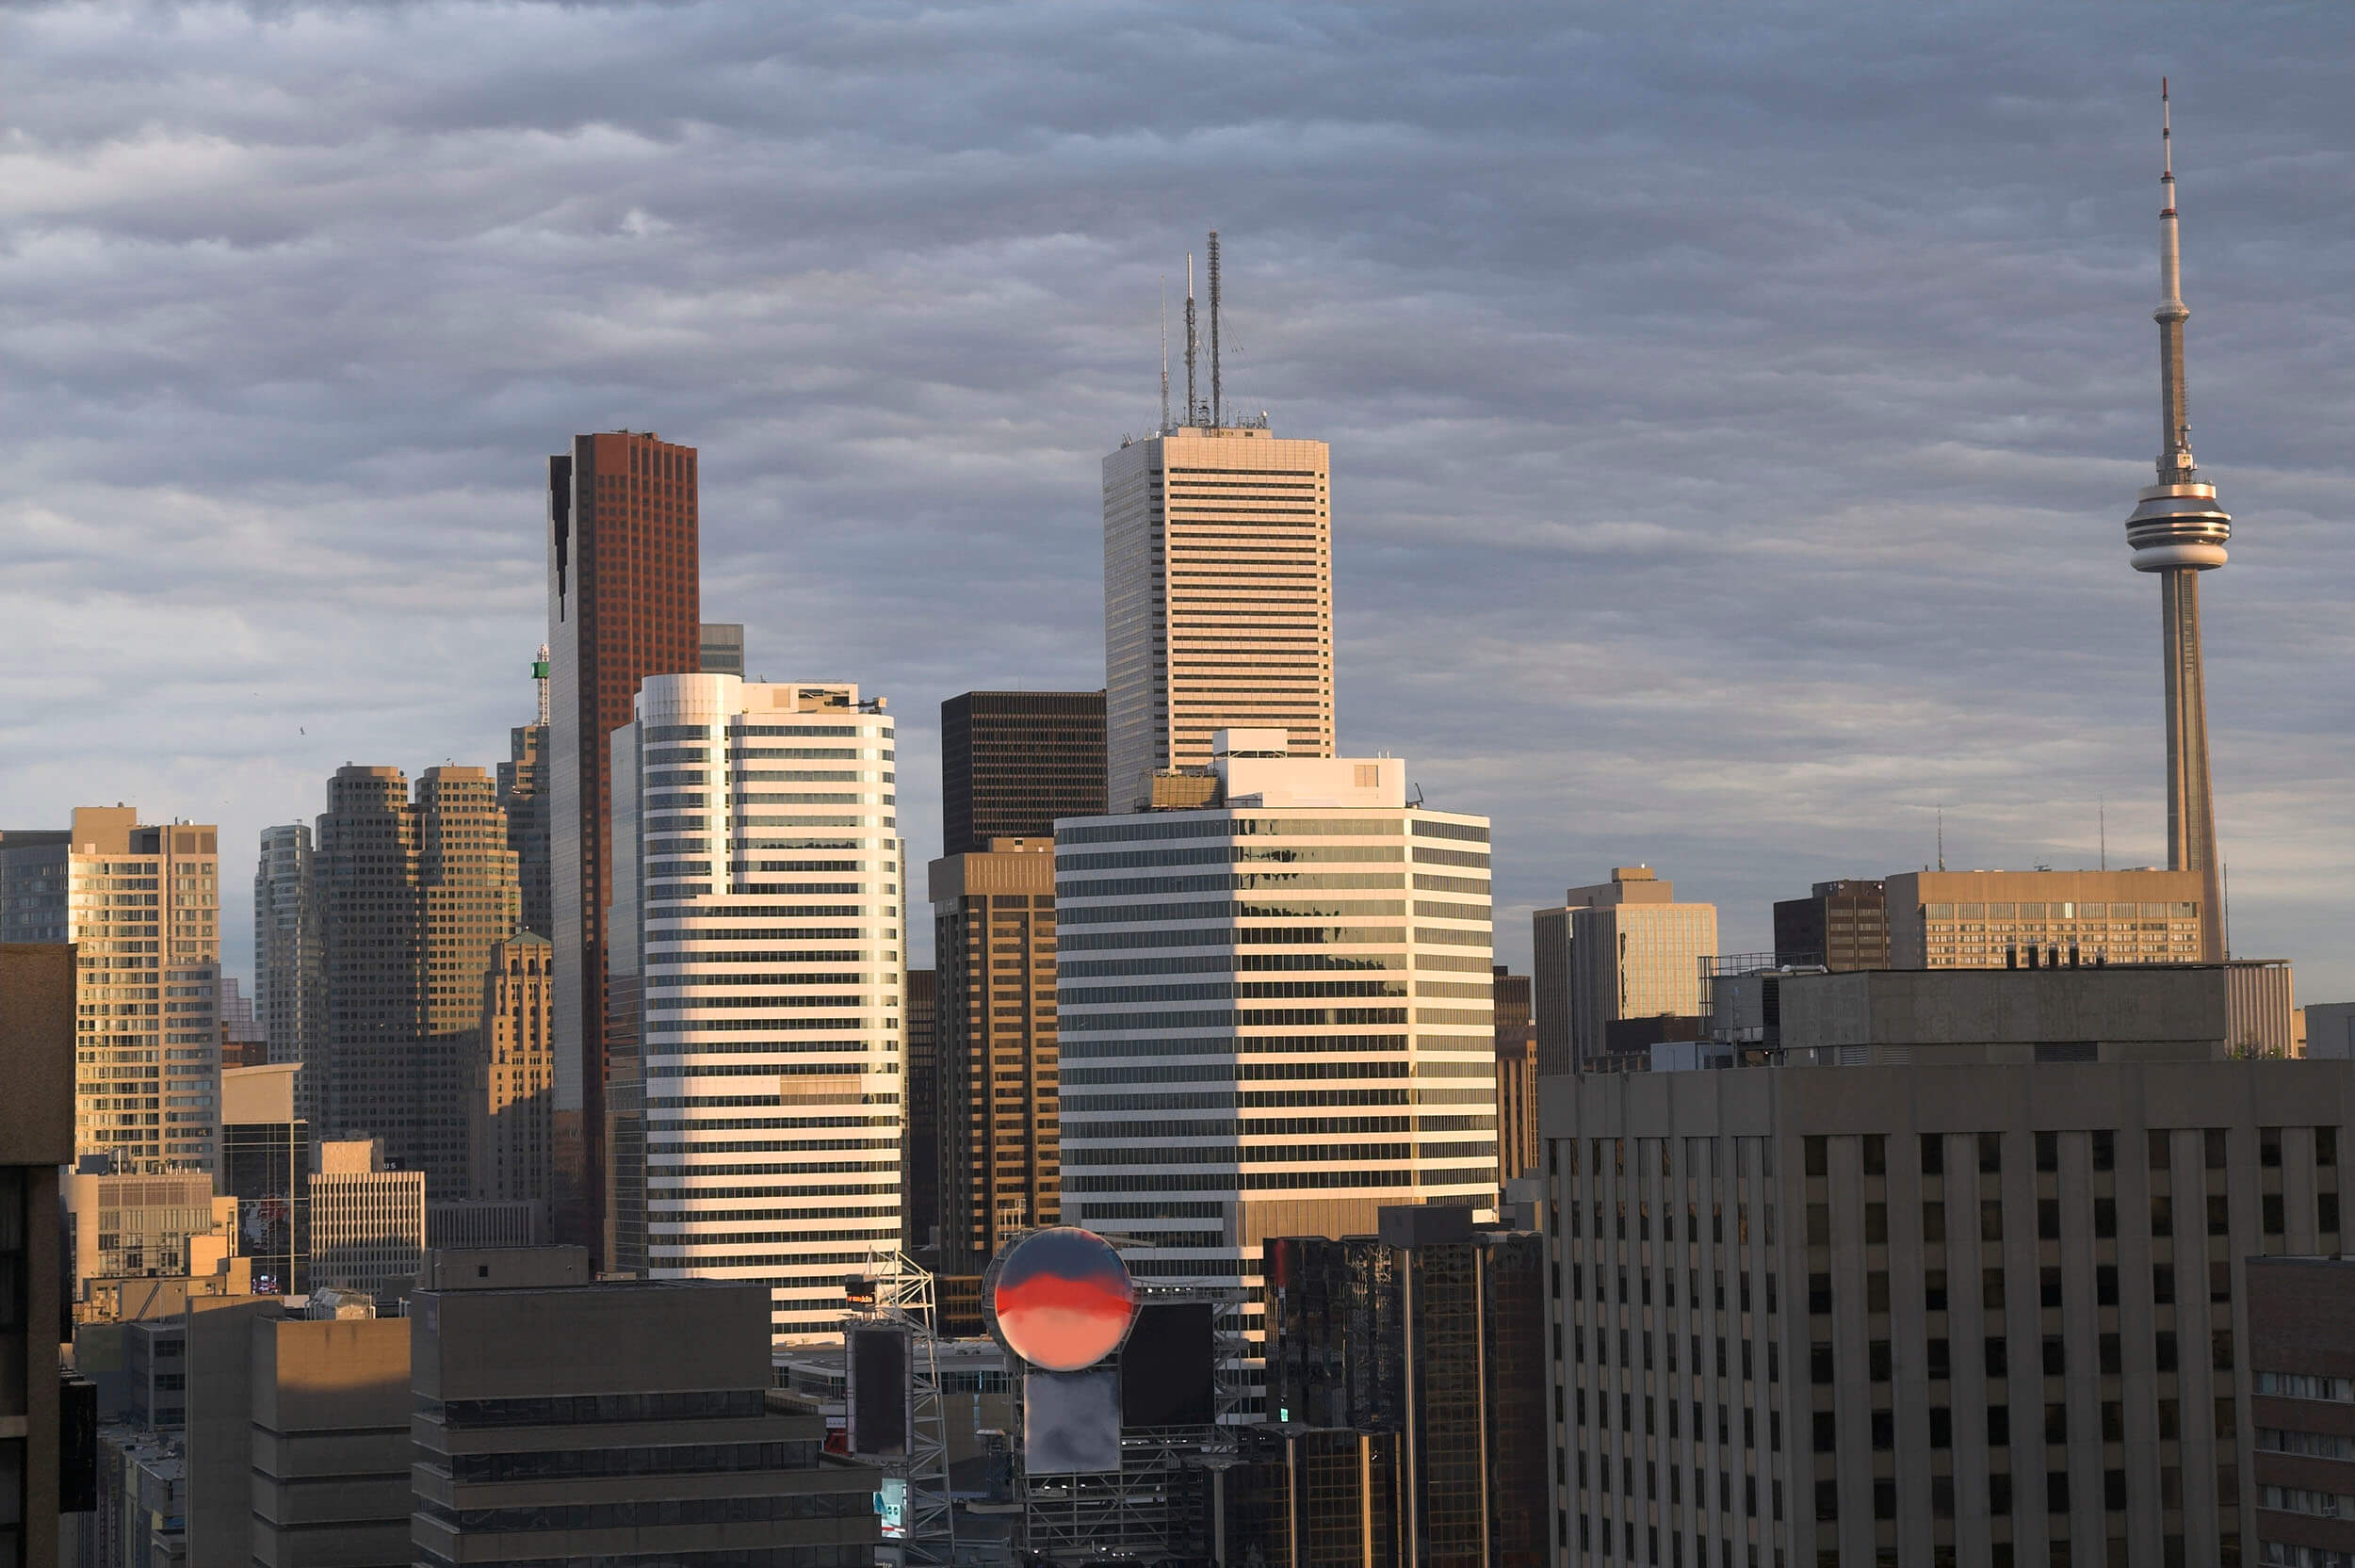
2177	531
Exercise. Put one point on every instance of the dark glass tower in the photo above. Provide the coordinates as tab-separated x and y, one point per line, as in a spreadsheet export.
1011	762
623	604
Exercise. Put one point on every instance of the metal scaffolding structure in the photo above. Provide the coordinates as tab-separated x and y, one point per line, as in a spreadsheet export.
903	1297
1156	1505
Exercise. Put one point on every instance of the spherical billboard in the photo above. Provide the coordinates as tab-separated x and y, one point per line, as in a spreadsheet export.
1060	1299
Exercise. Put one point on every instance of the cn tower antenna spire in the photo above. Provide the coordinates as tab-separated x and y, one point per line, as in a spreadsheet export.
2178	530
1165	424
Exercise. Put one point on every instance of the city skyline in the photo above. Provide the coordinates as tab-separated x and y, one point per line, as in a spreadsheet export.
1757	748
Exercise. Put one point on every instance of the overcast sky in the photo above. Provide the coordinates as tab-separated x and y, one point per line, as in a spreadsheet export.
1734	408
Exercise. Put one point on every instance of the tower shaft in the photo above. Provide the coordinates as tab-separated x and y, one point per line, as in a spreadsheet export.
2177	531
2190	804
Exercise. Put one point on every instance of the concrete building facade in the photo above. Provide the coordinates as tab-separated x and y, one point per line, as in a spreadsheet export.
625	602
621	1423
412	897
1839	925
1996	1312
510	1083
993	1031
756	964
38	986
368	1223
1517	1150
1972	919
1633	952
287	957
2301	1358
1274	1012
142	907
1218	598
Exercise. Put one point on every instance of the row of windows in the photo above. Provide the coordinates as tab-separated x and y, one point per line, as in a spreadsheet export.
1231	910
1230	1072
1428	1178
1217	1018
677	1459
1242	882
1222	963
1214	992
1233	854
1257	936
1222	825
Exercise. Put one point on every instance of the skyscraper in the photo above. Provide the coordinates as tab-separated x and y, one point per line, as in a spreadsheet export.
411	899
142	905
755	970
993	1034
1011	762
1218	597
2178	530
524	797
510	1071
287	972
1516	1077
1841	925
1275	1011
624	602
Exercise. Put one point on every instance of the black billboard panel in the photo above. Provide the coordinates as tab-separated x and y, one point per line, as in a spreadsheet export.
881	1394
1165	1370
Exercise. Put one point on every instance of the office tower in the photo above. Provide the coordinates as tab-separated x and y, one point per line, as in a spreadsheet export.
1995	1311
1633	953
994	941
1436	1332
140	1226
1218	598
2301	1358
758	878
1984	919
36	1047
920	1132
287	957
1011	762
1516	1077
720	649
621	1423
624	602
2178	530
523	793
298	1438
368	1223
1549	990
1335	1048
265	1166
510	1076
412	897
141	906
1839	925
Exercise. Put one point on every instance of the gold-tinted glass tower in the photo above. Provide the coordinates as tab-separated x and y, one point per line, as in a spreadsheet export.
2178	530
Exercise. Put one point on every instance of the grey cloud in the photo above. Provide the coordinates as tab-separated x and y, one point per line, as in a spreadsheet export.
1733	412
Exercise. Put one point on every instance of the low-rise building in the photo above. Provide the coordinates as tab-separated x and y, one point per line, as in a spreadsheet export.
626	1422
2301	1356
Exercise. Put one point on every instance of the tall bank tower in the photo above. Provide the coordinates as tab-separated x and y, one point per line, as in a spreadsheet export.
2177	531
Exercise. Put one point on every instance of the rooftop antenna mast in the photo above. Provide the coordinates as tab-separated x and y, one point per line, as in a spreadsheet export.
1164	352
540	679
1191	409
1942	835
1218	400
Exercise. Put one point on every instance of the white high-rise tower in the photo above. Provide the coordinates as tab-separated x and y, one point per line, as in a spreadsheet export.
2177	531
754	964
1218	584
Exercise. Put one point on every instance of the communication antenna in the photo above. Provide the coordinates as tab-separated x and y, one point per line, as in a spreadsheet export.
540	679
1218	400
1190	341
1942	835
1165	351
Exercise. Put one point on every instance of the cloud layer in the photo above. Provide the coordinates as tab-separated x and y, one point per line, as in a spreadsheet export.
1733	414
